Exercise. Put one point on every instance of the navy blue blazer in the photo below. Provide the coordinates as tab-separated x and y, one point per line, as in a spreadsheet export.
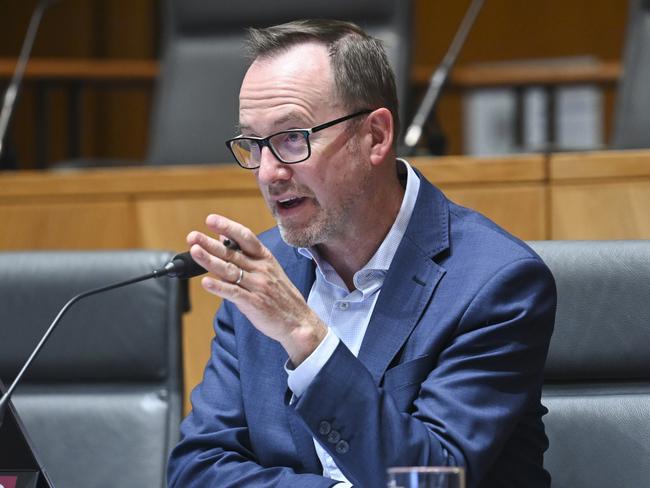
449	372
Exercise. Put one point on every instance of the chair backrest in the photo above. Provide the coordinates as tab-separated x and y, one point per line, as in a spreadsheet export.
597	379
632	114
103	401
203	64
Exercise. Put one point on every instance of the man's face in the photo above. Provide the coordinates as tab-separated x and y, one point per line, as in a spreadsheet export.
315	201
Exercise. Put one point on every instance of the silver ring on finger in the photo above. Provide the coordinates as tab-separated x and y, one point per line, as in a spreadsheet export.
241	276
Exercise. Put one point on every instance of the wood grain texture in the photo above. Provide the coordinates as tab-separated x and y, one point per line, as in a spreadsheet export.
608	210
45	223
600	195
467	171
603	164
519	208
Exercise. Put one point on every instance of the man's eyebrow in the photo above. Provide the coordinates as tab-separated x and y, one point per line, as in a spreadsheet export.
289	117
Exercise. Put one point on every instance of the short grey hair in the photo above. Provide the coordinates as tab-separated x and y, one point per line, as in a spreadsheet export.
362	75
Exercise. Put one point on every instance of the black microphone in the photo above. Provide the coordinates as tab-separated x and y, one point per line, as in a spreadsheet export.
181	266
14	86
439	78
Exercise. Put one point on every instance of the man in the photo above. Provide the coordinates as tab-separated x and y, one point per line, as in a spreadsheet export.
379	324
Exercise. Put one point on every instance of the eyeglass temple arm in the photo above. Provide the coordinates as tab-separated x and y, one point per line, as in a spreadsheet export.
338	121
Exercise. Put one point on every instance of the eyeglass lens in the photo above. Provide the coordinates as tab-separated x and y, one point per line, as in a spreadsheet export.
289	146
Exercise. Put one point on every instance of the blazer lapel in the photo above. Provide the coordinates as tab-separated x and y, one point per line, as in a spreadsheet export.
410	282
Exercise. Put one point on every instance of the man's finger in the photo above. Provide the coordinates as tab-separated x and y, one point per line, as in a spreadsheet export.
245	238
224	270
217	248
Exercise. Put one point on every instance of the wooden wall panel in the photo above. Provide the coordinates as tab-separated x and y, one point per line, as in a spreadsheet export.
512	29
520	209
129	30
166	221
610	210
600	195
55	224
510	189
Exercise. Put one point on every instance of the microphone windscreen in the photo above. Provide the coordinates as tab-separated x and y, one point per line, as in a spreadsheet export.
185	267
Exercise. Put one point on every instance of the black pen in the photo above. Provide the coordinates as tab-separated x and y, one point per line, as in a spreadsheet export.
231	244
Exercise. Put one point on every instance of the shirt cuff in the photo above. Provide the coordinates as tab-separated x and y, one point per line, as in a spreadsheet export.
301	377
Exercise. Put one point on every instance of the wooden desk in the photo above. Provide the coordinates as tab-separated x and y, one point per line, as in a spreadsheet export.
600	195
565	196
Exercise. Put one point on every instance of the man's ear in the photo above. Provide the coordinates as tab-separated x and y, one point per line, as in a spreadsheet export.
381	132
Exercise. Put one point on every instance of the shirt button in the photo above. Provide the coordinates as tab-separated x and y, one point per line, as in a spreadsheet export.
324	427
342	447
333	437
343	305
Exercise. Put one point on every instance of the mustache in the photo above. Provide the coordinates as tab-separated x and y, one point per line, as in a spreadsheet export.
284	187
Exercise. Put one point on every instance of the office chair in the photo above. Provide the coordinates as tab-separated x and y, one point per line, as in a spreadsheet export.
103	402
597	378
632	113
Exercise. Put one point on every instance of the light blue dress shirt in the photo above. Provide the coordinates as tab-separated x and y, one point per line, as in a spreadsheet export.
347	313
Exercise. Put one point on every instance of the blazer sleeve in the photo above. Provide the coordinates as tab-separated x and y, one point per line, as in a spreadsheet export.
466	403
214	451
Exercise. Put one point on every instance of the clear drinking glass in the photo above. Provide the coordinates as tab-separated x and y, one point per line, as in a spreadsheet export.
426	477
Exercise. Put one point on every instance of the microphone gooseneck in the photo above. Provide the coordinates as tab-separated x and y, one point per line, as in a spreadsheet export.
181	266
14	85
439	78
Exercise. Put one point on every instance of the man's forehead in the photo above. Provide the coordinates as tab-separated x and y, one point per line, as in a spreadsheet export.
278	118
314	50
287	89
308	61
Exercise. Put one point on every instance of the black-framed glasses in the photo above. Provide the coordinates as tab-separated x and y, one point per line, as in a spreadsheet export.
288	146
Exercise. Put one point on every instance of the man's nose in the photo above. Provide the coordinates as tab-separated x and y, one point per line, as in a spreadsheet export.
271	169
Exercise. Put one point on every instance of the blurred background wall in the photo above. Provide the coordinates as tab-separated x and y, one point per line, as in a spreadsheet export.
115	120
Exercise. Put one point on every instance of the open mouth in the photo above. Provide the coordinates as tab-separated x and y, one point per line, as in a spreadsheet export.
290	202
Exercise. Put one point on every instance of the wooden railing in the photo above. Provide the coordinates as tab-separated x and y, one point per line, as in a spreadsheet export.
465	77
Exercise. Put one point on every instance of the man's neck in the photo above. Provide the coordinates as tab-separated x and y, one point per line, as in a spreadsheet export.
349	253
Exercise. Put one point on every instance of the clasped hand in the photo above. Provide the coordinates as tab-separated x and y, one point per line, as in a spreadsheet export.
263	292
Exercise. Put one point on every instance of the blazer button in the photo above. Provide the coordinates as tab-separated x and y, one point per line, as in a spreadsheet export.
324	427
342	447
333	437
